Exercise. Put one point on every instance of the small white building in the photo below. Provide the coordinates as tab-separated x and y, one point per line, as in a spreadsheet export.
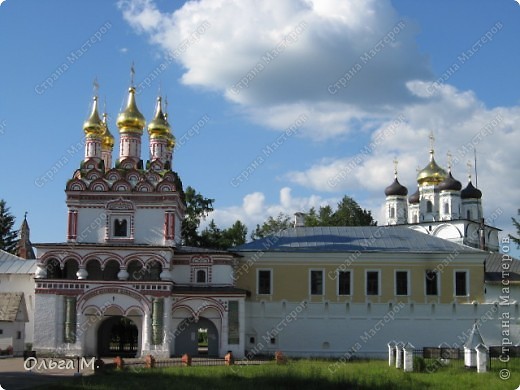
13	317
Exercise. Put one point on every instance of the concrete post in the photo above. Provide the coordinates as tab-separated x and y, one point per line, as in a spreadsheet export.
408	357
482	358
399	355
391	353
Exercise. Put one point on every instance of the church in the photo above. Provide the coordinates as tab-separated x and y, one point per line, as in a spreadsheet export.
123	283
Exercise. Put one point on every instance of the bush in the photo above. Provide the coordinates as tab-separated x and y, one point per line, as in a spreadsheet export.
419	364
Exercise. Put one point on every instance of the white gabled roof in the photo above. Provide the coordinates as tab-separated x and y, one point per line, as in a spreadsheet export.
11	264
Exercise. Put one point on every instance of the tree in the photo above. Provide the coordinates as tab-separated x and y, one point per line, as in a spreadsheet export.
347	213
213	237
516	240
197	209
8	236
271	226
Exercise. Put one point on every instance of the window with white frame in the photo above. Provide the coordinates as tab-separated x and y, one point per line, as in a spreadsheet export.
401	282
264	281
461	283
200	276
372	282
316	282
431	281
344	282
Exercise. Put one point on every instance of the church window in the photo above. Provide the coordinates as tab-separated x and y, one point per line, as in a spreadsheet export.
70	269
93	269
446	208
53	269
120	227
316	282
468	214
264	281
461	283
344	283
111	270
392	212
135	270
429	206
401	283
431	281
201	276
372	282
18	335
414	218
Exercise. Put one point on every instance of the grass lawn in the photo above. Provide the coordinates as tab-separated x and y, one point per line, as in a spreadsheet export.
300	375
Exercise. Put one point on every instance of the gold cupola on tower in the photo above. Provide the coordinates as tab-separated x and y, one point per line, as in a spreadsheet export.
431	174
93	125
131	120
159	126
107	140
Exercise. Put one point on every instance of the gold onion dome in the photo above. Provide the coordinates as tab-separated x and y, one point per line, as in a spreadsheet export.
93	125
171	141
131	120
431	173
107	141
159	126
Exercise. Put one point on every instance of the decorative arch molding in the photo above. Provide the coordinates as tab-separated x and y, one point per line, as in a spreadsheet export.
120	204
121	186
144	186
93	174
102	257
191	305
165	186
134	175
113	175
112	291
421	229
76	185
144	258
153	177
61	257
169	176
447	230
98	185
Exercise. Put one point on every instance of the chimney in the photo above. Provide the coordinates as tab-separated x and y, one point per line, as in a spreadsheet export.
299	220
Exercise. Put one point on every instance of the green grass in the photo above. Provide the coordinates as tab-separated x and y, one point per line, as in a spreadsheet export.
300	375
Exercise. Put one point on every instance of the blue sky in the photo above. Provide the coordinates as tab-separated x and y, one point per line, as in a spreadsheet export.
339	74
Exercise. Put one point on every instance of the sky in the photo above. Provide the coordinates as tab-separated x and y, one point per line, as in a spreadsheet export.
277	106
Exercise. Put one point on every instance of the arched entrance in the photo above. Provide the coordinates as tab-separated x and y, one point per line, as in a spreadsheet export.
197	338
117	336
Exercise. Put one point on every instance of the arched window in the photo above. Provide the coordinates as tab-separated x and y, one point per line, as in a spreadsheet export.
429	206
135	271
446	208
120	228
53	269
201	276
111	270
70	269
94	270
392	212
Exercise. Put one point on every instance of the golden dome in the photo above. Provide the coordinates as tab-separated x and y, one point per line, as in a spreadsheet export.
431	174
93	125
159	126
171	141
131	120
107	140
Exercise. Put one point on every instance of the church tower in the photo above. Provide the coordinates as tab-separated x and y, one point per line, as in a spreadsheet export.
396	206
24	247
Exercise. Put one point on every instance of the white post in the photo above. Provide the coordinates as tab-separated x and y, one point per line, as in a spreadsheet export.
408	357
399	355
391	353
482	358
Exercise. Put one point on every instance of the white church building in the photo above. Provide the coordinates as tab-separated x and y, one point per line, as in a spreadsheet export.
123	284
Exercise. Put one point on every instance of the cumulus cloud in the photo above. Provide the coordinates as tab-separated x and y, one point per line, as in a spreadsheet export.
333	59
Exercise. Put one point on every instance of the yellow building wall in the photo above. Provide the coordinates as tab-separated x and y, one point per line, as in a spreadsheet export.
291	279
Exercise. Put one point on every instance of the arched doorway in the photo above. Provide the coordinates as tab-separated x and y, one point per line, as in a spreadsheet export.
117	336
197	338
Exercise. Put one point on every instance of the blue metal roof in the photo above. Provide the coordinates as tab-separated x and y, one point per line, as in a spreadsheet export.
352	239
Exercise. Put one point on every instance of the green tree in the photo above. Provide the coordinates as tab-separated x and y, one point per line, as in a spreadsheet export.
213	237
347	213
272	225
198	208
516	240
8	236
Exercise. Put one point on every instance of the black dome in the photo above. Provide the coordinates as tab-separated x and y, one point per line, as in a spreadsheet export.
414	198
470	192
396	189
450	184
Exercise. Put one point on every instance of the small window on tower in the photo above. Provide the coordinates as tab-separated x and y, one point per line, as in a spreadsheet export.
446	208
429	206
201	276
120	227
392	212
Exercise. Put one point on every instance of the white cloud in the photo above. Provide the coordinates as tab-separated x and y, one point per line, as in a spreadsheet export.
274	57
